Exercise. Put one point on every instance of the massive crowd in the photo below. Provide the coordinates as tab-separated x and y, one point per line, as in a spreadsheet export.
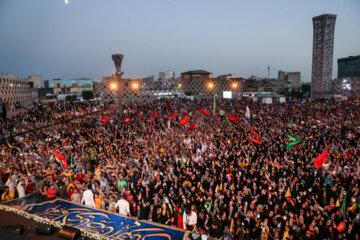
210	179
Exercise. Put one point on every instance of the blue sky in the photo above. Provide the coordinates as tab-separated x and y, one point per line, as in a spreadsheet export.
54	39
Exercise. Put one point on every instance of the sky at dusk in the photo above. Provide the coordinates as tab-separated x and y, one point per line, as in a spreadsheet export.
59	40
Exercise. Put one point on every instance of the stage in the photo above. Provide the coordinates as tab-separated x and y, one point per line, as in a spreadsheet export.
91	222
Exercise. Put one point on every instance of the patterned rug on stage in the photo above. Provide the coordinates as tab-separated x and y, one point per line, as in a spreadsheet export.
104	224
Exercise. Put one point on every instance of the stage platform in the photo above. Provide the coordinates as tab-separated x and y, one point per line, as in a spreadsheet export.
92	223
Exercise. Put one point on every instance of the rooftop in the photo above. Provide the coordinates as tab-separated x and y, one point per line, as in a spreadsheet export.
197	72
349	58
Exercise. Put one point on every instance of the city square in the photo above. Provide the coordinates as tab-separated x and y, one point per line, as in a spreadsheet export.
199	155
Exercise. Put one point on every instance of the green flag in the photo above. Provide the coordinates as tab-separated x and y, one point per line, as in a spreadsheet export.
214	109
295	140
343	208
182	158
71	161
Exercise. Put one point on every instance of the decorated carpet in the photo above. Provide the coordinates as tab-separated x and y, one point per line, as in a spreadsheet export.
99	224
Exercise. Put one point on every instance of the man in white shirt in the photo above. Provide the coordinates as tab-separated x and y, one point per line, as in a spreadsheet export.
88	197
20	189
124	206
10	184
189	219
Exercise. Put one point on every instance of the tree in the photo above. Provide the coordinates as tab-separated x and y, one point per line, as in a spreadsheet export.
70	98
87	95
306	87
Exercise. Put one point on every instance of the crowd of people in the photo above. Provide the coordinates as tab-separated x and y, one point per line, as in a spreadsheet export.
205	176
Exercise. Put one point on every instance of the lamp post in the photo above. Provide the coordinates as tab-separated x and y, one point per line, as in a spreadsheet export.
117	58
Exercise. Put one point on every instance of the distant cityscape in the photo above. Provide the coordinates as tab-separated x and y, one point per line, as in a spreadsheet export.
17	94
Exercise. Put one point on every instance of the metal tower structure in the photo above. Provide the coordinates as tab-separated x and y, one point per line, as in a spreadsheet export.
322	56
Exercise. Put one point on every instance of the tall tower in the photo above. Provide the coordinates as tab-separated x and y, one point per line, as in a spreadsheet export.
322	56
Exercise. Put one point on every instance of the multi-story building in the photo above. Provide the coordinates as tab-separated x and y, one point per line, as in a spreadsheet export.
98	88
34	83
15	94
349	67
148	83
347	84
292	78
74	86
34	80
322	55
167	79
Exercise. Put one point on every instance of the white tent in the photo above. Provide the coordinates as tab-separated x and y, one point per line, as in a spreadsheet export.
267	100
282	100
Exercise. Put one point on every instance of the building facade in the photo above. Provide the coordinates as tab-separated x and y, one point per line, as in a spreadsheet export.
349	67
14	95
76	85
129	89
322	55
200	84
346	87
292	78
166	79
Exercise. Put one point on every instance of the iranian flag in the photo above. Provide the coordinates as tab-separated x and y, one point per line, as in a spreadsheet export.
60	159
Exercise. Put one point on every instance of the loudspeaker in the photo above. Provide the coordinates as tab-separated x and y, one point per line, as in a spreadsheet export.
44	229
69	233
18	229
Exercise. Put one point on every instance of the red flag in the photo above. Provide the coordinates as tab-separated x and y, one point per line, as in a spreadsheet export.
151	119
191	127
139	115
104	119
184	120
295	180
320	160
213	153
255	134
340	227
254	140
233	118
60	158
173	116
203	111
248	100
216	116
126	120
155	113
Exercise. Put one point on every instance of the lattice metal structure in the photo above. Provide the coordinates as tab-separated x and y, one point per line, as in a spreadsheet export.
322	57
148	90
208	88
